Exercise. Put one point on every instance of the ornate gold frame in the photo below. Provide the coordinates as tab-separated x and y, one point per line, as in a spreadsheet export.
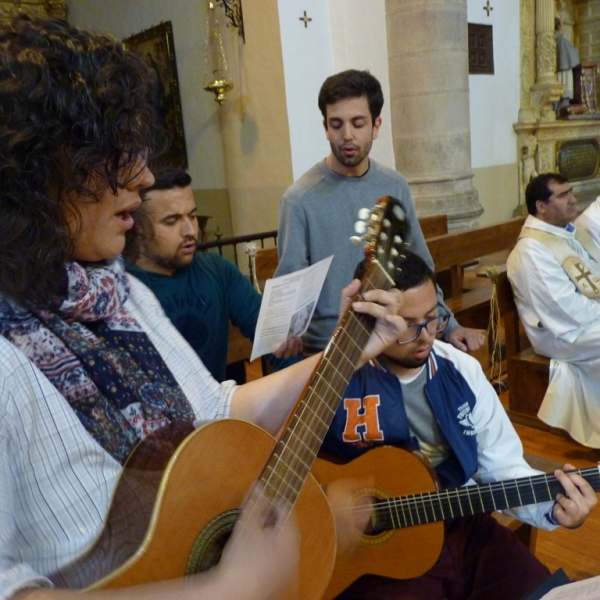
156	46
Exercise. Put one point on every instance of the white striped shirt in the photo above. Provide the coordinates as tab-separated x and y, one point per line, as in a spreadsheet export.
56	481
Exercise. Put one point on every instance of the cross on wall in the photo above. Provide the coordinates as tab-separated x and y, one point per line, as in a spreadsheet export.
306	19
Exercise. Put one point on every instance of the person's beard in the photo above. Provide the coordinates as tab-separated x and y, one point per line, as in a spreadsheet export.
175	262
351	161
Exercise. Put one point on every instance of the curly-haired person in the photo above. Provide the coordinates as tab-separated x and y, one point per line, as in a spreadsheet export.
89	363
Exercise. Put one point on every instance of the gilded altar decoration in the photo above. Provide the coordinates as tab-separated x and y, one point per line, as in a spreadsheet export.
34	8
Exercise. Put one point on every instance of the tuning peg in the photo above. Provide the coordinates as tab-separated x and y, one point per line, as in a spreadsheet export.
399	212
360	227
357	241
364	214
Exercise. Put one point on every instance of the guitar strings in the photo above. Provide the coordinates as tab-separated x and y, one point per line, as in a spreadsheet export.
512	491
314	415
285	474
294	455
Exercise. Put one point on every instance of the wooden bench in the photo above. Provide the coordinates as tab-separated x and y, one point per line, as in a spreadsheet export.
265	265
434	225
450	251
528	372
239	347
455	250
266	259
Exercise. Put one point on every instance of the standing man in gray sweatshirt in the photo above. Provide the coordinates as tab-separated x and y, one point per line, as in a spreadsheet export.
318	212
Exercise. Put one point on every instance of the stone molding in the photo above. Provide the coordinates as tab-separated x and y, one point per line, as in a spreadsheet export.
39	8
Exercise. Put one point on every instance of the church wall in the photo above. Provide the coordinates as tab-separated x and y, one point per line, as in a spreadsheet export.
246	153
343	34
350	22
494	107
200	118
499	185
255	123
238	154
308	60
355	37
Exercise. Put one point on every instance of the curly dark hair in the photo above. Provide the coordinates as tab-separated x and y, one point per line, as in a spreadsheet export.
351	84
76	111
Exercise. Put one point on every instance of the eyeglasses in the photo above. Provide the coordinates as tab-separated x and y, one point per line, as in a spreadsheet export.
433	326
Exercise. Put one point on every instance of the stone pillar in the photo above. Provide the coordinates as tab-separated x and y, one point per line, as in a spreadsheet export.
545	45
429	88
547	89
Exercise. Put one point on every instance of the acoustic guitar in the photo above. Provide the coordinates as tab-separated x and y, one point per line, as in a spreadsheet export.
406	530
181	492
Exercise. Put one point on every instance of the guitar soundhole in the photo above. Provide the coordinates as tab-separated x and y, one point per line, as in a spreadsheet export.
376	525
377	530
209	545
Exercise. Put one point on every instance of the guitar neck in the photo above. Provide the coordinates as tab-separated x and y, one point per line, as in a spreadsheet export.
295	452
417	509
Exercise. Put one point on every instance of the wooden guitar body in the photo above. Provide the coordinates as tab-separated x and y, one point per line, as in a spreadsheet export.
207	478
408	512
401	553
180	493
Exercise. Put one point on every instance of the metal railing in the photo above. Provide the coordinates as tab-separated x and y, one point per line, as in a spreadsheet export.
236	248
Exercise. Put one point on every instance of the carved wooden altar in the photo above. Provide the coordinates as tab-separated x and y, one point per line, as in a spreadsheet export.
40	8
545	143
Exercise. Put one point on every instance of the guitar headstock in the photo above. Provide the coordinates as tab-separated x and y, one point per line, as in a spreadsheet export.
383	230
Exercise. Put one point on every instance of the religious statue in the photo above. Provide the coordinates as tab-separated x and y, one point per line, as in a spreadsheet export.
528	168
567	58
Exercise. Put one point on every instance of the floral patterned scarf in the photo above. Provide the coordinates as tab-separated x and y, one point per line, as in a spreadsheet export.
98	357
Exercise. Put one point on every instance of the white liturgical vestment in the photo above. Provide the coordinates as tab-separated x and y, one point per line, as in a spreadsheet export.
564	325
589	220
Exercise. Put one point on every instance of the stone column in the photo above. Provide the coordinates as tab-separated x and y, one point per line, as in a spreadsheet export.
547	89
429	86
545	45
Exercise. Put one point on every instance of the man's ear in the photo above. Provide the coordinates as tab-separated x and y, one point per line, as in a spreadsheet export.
540	207
325	128
376	126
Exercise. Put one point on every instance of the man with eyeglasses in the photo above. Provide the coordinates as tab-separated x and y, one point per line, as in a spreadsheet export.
425	394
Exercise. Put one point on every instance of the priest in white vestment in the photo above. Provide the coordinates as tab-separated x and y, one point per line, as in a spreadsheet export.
589	220
555	273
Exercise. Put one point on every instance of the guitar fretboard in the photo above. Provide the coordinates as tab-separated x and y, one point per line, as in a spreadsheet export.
418	509
295	452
